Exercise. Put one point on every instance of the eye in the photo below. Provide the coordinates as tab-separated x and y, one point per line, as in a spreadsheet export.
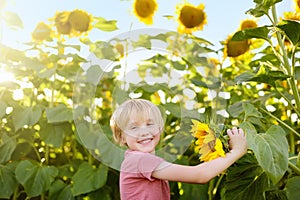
150	124
133	128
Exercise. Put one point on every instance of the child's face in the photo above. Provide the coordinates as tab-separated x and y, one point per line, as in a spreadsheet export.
142	134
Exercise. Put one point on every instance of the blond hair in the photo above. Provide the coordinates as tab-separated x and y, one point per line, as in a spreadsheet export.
137	108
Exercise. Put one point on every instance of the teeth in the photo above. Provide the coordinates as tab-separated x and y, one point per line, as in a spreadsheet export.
145	141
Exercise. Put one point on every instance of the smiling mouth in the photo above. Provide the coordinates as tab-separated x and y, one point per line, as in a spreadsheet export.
145	141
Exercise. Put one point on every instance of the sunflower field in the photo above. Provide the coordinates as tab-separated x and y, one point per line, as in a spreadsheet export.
55	104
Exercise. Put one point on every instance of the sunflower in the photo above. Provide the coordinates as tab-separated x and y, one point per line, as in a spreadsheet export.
190	18
248	23
297	5
292	16
41	32
235	48
79	20
209	153
144	10
207	144
62	24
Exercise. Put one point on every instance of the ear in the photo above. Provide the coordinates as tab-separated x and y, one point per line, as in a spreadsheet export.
123	140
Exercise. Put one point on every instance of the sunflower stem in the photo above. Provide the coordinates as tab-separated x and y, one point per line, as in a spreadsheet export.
294	168
288	68
281	122
288	100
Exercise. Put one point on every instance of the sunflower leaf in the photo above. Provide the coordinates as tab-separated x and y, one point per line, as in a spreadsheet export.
105	25
270	149
8	182
13	20
246	180
35	178
291	30
262	7
94	178
249	33
293	188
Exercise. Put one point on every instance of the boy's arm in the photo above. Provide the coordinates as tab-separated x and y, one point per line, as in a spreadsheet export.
204	172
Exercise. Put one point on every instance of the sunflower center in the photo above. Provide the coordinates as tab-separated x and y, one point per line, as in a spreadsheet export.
79	20
191	17
145	8
237	48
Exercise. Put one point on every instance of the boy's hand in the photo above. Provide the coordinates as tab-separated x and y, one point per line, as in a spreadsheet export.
237	141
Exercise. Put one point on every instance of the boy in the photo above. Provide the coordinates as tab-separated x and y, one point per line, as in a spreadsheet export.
137	124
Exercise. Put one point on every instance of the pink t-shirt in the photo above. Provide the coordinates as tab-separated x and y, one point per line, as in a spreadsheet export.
136	181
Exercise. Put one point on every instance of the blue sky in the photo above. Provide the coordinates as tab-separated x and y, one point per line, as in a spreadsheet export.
224	16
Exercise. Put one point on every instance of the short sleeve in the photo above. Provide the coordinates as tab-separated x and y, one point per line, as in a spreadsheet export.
147	164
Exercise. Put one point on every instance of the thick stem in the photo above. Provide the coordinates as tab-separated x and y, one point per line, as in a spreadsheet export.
288	68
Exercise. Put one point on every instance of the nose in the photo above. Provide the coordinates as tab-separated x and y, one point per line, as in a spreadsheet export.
145	132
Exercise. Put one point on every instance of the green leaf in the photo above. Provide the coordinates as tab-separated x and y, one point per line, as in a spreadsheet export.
194	191
59	113
88	179
291	30
178	65
249	33
2	109
70	71
263	75
251	111
174	109
103	193
270	149
60	190
35	178
245	180
143	41
262	7
94	74
26	116
46	73
293	188
236	109
86	135
13	20
105	25
244	77
7	147
8	182
53	134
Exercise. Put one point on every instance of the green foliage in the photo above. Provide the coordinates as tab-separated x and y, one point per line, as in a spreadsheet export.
252	185
56	143
35	178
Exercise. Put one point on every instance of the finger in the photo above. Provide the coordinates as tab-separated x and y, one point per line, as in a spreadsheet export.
234	130
229	132
241	131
